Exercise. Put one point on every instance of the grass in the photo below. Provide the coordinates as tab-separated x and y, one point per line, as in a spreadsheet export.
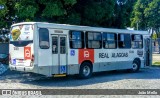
156	64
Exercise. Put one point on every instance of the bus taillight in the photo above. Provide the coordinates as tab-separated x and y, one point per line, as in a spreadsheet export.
32	59
10	58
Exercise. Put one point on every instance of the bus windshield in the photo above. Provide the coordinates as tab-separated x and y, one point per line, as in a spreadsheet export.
22	33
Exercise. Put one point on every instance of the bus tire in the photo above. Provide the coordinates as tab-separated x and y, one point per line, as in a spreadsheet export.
135	66
85	70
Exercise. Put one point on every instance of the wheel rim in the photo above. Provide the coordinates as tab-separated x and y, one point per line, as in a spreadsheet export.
86	70
135	66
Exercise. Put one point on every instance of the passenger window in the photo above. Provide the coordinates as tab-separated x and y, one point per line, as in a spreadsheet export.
43	38
124	41
54	44
109	40
62	45
76	39
137	41
94	40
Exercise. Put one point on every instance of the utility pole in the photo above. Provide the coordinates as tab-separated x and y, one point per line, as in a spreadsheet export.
137	25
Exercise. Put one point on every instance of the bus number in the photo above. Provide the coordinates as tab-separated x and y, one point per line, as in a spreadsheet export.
16	48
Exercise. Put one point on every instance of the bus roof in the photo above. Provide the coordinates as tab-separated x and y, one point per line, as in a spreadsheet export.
82	28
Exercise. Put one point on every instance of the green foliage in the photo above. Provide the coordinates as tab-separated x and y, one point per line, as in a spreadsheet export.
103	13
73	18
58	11
152	13
100	11
138	14
156	64
26	9
122	14
2	23
53	9
96	12
3	11
70	2
146	13
154	36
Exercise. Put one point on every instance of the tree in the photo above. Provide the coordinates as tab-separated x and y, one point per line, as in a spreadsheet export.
3	12
56	10
122	13
146	13
154	36
26	9
95	12
139	15
104	13
7	15
152	13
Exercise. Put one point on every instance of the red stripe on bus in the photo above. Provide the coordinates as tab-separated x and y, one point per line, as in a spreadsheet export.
85	54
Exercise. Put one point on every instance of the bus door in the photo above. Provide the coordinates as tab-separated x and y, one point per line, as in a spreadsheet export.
148	53
59	57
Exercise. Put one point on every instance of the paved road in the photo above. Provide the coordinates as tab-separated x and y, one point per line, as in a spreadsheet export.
144	79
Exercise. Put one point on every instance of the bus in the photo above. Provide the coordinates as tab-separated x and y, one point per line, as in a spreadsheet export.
52	49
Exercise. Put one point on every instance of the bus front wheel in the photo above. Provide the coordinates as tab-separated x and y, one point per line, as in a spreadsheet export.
85	70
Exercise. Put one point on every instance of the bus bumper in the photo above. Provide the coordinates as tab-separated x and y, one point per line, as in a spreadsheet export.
21	68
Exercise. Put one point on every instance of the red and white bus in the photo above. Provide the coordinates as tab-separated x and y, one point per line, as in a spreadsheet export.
58	49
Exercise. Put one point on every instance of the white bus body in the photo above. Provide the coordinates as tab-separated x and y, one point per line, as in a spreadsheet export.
57	49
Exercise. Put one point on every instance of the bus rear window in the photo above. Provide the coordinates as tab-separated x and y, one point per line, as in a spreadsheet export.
43	38
22	33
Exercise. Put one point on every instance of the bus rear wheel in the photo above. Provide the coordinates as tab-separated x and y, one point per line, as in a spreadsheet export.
85	70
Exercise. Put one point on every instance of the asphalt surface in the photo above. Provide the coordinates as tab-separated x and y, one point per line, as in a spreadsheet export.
144	79
148	78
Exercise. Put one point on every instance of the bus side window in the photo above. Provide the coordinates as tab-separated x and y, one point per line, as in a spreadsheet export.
109	40
124	41
76	39
62	45
137	41
43	38
94	40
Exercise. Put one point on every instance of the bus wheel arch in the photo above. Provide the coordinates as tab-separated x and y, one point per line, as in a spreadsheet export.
85	69
136	65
